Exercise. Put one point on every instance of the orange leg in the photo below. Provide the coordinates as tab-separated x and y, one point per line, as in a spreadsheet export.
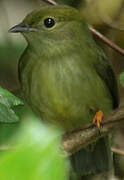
98	118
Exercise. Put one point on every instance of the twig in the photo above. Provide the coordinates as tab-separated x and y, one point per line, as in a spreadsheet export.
98	34
83	136
107	41
117	151
52	2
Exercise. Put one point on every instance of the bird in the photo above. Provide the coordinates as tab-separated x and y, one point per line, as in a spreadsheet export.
66	78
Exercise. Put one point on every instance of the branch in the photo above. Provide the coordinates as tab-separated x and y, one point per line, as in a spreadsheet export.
52	2
118	151
107	41
98	34
75	140
79	138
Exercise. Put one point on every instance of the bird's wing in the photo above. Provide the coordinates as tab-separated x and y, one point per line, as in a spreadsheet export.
104	69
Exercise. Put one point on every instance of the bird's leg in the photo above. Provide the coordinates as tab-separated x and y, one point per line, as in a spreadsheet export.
98	118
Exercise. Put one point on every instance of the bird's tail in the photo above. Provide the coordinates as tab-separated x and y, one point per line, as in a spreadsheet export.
94	159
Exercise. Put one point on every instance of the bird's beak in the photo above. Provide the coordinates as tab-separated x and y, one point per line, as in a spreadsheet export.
21	28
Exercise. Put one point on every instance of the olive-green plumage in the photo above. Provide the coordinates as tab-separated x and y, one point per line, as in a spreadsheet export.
66	78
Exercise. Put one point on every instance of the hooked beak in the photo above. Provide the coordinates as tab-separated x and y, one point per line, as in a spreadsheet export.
22	28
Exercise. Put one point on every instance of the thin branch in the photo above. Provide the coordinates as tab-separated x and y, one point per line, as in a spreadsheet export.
118	151
98	34
52	2
75	140
107	41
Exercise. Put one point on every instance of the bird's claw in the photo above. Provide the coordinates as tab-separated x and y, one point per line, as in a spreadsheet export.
98	118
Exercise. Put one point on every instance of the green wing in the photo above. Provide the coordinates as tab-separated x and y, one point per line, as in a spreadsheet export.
105	71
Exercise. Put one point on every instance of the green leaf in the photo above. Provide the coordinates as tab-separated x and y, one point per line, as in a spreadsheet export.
122	79
7	102
9	99
37	156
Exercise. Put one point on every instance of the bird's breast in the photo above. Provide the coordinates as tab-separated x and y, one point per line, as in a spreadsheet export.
63	91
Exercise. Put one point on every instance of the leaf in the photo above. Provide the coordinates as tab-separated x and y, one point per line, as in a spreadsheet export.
36	157
7	102
122	79
9	99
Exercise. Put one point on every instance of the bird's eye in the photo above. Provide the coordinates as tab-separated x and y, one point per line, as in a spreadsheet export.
49	22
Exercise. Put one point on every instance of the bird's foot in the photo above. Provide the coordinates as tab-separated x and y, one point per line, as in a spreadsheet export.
98	118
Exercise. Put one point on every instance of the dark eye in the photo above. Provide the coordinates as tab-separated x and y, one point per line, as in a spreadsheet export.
49	22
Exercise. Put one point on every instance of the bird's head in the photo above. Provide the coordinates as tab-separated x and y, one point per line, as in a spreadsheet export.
52	22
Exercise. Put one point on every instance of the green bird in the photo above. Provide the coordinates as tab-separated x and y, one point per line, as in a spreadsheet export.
66	78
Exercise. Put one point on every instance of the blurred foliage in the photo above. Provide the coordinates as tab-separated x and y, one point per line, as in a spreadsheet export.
36	155
7	130
100	11
9	55
34	148
122	79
